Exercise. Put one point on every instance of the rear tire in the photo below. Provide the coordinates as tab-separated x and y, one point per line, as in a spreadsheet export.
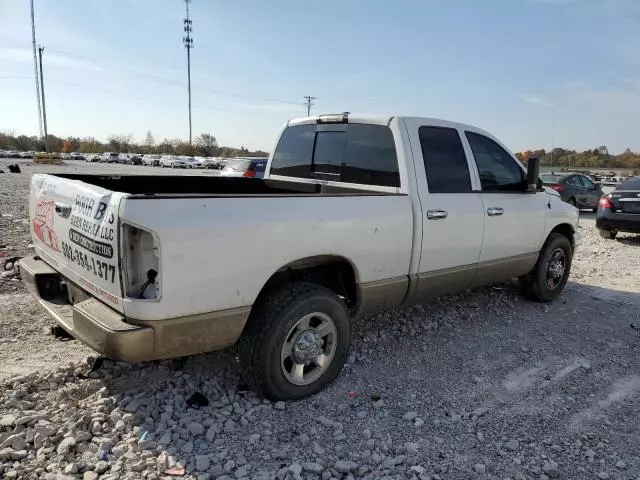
608	234
550	274
280	344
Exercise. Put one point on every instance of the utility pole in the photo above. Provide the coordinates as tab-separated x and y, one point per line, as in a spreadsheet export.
44	105
188	44
309	103
35	67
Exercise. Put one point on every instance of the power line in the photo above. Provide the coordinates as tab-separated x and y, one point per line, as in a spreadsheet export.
155	100
170	81
309	103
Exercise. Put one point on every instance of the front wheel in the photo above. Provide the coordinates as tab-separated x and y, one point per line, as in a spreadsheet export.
572	202
296	341
550	274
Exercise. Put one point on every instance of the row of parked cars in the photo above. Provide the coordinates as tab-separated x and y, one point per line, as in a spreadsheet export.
617	211
251	167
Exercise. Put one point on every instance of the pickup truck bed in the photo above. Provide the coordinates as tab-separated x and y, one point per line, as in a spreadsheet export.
175	185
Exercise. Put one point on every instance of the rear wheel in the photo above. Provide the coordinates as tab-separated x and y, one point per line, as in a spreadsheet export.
608	234
550	274
296	341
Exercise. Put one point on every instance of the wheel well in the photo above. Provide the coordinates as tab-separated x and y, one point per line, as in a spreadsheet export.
334	273
566	230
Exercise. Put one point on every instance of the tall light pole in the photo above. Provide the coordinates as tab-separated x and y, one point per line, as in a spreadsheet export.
44	105
309	103
35	67
188	44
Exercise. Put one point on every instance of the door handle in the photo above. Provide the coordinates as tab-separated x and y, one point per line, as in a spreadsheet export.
63	209
495	211
436	214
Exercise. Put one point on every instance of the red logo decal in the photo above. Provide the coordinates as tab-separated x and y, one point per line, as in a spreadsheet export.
43	224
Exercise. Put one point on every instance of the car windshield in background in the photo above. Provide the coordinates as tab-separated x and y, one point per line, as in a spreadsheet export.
551	178
237	165
630	184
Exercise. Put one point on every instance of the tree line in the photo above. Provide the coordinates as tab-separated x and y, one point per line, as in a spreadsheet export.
599	157
204	145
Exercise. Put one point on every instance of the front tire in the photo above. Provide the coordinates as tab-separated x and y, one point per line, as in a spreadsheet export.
296	341
550	274
608	234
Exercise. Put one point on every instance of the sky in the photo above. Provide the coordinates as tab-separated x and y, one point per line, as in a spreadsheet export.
535	73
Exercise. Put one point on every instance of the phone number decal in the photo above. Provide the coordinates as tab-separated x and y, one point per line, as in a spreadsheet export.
91	264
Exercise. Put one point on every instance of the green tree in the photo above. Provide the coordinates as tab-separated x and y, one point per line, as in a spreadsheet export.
207	145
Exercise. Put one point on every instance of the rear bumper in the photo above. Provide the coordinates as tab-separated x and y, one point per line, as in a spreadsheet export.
621	222
89	320
108	332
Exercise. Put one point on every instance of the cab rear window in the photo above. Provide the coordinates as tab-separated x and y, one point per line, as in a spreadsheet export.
353	153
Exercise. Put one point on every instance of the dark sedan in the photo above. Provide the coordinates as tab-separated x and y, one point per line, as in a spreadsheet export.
578	190
619	211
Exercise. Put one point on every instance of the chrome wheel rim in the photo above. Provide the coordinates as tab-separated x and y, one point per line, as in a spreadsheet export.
556	267
309	348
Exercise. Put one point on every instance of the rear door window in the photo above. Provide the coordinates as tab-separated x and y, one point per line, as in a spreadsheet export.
575	181
353	153
444	160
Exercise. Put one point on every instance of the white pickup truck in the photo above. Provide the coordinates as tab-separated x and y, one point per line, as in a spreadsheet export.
354	214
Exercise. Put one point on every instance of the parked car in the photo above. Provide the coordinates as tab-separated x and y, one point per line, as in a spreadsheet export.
172	161
29	154
13	154
245	167
152	160
110	157
190	162
619	211
210	162
357	214
93	157
3	154
133	159
577	190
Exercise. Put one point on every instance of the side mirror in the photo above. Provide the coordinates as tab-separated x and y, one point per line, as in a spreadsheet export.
533	174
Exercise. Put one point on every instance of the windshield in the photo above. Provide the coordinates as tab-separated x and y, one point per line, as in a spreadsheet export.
237	165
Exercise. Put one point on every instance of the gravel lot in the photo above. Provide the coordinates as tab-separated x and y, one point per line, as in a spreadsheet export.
481	385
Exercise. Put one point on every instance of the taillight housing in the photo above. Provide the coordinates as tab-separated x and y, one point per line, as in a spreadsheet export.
249	174
605	202
141	263
558	187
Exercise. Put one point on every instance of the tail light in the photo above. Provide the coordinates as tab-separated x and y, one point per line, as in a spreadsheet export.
141	262
557	187
249	174
605	202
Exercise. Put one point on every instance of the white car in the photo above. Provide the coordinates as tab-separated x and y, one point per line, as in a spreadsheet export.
152	160
172	161
356	213
190	162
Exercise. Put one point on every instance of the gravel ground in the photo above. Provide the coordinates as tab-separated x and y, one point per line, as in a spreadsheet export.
481	385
